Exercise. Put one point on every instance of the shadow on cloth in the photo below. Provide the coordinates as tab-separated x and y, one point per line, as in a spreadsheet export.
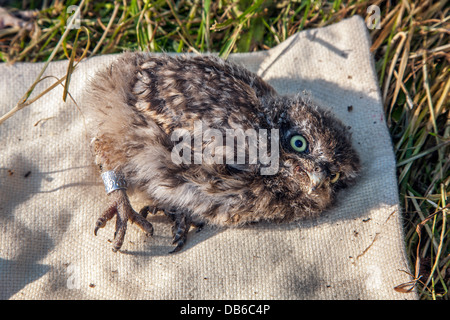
23	180
22	266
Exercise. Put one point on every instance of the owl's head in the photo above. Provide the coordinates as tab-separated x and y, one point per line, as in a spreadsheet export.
316	154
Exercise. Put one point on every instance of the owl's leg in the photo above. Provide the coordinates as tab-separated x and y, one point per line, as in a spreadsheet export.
121	208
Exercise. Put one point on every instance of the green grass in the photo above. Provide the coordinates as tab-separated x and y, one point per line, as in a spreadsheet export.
412	59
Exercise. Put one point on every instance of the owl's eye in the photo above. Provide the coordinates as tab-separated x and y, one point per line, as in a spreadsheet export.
334	177
299	143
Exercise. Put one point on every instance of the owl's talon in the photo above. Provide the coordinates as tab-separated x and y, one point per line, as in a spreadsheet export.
107	215
121	208
98	226
119	237
178	247
148	209
140	220
177	237
180	230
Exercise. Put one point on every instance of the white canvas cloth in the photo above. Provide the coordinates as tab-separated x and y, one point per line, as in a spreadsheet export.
51	196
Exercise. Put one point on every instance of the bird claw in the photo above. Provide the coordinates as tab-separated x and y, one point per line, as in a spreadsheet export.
180	229
121	208
148	209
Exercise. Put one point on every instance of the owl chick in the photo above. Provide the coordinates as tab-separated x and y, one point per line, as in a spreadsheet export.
138	103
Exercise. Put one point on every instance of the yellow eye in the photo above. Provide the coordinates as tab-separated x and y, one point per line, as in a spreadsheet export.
334	177
299	143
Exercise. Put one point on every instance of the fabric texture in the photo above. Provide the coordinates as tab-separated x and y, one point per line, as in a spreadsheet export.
51	195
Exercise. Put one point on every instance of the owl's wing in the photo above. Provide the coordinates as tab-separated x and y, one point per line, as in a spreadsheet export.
192	92
175	92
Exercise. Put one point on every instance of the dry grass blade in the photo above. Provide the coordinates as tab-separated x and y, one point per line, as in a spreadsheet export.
418	231
403	37
71	67
402	67
428	94
410	285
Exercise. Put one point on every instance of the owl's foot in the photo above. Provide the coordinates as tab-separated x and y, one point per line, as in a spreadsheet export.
121	208
180	230
182	224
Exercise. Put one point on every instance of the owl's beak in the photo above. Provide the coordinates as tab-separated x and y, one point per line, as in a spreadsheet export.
316	179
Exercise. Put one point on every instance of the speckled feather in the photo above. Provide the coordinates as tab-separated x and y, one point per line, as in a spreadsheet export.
136	103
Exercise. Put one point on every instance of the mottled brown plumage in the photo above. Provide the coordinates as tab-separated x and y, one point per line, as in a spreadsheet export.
137	103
